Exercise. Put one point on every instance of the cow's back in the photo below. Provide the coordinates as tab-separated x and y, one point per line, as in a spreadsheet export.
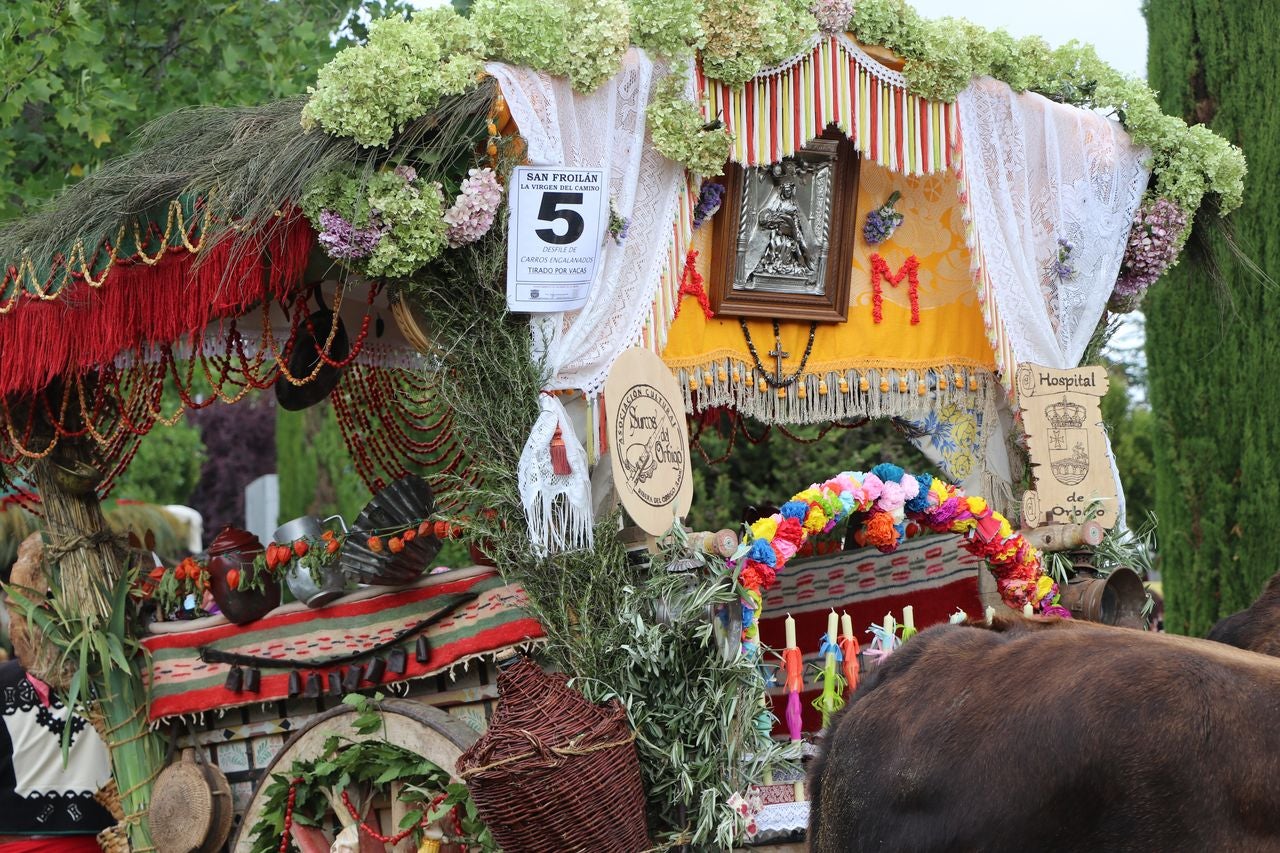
1089	739
1257	627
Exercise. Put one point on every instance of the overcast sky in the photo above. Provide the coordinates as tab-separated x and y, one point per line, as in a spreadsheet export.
1115	27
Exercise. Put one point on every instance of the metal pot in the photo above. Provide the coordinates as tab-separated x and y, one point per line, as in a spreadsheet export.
333	583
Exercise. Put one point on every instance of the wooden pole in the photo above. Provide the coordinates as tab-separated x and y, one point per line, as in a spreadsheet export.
1064	537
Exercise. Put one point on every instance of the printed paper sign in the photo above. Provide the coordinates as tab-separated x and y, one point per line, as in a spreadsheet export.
558	220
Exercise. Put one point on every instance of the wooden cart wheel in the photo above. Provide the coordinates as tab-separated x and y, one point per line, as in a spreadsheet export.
419	728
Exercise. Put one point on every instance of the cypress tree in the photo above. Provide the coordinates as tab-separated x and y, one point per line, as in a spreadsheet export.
1214	358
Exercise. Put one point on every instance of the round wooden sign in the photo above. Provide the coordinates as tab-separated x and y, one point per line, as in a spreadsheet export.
648	441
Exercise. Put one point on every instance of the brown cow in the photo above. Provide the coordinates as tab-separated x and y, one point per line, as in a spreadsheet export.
1257	627
1086	739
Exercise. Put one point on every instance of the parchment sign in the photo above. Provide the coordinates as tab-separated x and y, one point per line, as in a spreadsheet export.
1068	446
558	220
648	440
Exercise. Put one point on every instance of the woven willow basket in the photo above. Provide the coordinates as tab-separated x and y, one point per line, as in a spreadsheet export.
556	773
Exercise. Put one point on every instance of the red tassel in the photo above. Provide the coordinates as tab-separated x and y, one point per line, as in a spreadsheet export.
142	304
560	455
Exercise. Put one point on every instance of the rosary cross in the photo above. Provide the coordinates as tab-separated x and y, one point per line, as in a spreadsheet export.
778	354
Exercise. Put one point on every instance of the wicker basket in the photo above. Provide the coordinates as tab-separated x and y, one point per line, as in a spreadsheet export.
554	772
114	839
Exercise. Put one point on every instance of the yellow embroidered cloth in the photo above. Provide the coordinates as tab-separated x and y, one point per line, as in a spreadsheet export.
860	366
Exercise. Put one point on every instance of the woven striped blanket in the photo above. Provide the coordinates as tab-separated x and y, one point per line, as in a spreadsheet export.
181	683
929	572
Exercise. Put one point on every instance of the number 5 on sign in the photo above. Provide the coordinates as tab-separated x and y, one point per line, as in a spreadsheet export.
558	220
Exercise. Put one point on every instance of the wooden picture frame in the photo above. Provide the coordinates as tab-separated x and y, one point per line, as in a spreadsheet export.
786	252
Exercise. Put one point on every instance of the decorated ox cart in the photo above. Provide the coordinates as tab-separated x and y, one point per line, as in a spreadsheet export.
564	238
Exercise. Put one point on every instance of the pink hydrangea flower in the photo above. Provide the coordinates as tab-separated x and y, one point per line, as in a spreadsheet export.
833	15
473	212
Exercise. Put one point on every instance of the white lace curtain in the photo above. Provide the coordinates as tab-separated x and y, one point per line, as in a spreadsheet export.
1040	172
601	129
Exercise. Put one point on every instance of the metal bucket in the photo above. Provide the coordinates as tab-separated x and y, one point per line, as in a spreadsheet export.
333	583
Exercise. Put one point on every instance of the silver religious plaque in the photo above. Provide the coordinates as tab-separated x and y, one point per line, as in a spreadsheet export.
784	224
784	239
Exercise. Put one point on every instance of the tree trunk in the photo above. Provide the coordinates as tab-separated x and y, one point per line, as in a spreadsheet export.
1212	352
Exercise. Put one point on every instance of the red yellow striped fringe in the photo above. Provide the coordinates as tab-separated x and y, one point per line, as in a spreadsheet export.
835	83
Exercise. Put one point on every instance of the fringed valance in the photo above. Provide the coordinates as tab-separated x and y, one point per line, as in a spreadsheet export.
834	83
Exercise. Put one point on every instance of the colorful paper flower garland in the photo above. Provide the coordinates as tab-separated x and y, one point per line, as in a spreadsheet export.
885	499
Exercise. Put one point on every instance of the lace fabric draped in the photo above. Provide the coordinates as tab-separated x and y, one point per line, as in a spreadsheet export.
1040	172
602	129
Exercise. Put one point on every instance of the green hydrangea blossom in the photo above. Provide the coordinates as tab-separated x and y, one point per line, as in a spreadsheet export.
670	29
370	93
412	210
679	131
940	57
743	36
580	39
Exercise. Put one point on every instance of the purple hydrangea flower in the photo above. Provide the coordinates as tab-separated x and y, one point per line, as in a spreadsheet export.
1060	267
709	199
343	241
619	225
882	222
1152	249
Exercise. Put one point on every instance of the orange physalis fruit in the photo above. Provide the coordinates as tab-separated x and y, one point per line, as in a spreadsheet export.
408	535
327	536
396	545
333	546
300	548
180	573
233	578
375	544
424	529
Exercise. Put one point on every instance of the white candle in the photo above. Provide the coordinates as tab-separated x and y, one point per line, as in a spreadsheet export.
909	616
890	626
799	790
831	625
846	625
991	614
1026	609
791	632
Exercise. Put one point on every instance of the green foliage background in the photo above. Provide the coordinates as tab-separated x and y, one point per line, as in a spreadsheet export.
315	471
1211	345
77	77
1131	426
166	468
772	471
